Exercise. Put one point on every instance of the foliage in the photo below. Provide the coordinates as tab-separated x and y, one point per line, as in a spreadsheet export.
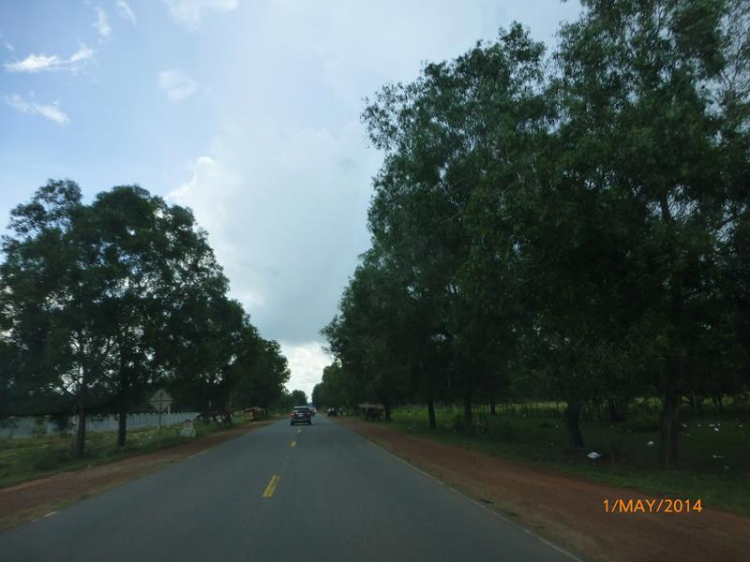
102	302
568	227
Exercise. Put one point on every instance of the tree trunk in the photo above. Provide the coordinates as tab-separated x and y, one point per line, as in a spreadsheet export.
81	429
387	406
467	404
206	411
669	428
431	414
492	406
122	421
122	403
572	424
693	404
614	415
718	404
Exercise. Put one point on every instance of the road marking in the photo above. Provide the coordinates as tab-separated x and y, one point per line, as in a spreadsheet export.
293	444
50	513
299	431
196	454
271	488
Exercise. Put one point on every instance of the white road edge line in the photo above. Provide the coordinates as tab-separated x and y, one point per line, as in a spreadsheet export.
484	507
50	513
196	454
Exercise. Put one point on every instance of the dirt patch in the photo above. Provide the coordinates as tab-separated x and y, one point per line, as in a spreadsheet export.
30	500
570	510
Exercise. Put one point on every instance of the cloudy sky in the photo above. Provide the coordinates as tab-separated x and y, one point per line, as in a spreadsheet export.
245	110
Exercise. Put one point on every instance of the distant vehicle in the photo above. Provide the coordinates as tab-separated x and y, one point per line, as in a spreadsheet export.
313	409
301	414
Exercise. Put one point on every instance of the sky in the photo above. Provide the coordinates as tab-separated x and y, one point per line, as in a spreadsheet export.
246	111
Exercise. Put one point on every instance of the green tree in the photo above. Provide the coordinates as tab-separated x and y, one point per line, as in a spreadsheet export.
299	398
262	372
652	96
459	145
55	291
335	389
100	302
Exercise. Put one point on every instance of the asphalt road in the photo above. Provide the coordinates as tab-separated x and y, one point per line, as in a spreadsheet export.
279	493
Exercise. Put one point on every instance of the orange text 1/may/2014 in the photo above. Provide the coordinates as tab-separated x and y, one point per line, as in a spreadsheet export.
660	505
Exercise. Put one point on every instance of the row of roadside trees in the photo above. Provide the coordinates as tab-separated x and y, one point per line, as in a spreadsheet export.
101	303
573	226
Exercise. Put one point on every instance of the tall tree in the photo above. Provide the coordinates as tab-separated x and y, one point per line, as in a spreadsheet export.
54	288
646	89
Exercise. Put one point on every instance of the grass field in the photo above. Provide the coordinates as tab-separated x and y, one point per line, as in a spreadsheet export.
714	452
34	457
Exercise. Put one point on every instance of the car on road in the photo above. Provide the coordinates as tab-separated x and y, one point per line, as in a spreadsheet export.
301	414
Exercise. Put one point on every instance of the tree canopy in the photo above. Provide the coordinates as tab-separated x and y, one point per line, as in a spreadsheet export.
566	225
102	302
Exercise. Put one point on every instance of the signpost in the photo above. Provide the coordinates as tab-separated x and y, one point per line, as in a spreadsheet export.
161	401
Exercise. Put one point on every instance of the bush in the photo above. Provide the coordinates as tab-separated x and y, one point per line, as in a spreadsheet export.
480	425
62	422
50	458
642	421
500	430
458	423
40	428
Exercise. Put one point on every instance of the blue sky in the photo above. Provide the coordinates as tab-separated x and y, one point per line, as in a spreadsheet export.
246	111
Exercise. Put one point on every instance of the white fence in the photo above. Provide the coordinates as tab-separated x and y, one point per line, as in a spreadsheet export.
28	426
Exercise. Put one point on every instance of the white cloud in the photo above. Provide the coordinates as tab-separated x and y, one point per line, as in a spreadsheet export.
6	43
177	85
81	55
284	188
192	193
189	13
126	12
51	112
306	363
39	63
102	23
286	212
34	63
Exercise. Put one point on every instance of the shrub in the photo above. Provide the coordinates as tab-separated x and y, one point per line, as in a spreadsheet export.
642	421
62	422
50	458
480	425
500	430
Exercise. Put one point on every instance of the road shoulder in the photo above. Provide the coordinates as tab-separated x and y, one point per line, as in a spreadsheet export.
567	510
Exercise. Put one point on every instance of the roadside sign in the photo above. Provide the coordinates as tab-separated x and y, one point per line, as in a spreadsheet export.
161	401
187	429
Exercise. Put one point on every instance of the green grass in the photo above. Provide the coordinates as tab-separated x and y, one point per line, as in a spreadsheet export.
28	458
629	461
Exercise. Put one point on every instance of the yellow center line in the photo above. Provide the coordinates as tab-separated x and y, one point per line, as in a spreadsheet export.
271	488
293	444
